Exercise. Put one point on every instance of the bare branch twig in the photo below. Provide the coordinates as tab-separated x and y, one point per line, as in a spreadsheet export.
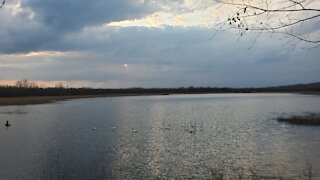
275	17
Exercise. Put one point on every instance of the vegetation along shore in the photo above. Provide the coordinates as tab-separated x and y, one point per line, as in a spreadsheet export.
27	92
308	119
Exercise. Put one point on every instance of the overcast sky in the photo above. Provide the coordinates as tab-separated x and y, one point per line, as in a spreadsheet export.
143	43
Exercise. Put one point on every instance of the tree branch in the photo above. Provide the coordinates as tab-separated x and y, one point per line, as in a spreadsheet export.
2	3
279	10
262	18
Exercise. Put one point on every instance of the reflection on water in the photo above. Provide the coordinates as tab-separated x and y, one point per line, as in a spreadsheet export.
176	136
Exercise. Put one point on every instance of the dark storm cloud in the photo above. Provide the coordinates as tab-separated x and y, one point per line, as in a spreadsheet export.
38	24
68	15
27	39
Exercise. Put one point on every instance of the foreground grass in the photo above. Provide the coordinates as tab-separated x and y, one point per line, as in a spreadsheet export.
309	119
240	174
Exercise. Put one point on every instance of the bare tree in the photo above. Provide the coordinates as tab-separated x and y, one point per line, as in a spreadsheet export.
25	83
22	83
60	85
33	85
2	3
297	20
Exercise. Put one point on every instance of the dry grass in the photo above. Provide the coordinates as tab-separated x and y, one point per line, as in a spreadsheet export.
218	173
5	101
309	119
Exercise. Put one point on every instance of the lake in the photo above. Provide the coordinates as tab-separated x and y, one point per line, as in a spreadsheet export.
143	137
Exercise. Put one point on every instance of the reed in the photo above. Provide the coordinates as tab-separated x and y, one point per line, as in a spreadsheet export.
308	119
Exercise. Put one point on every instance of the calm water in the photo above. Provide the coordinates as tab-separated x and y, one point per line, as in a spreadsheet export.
174	136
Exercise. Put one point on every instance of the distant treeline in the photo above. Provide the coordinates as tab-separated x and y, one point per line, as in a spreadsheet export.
18	91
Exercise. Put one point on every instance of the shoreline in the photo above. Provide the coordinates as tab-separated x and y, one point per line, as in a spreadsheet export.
32	100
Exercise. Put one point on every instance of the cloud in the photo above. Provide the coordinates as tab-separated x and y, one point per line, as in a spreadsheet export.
76	14
167	57
33	25
165	44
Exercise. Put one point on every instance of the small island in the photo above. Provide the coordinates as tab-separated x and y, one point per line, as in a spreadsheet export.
308	119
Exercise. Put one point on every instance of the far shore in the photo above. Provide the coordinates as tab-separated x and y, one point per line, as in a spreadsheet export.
30	100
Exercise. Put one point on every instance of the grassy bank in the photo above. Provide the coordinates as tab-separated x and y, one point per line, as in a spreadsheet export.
30	93
6	101
33	90
26	100
309	119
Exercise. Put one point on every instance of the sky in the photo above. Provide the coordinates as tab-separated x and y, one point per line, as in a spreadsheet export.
145	43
